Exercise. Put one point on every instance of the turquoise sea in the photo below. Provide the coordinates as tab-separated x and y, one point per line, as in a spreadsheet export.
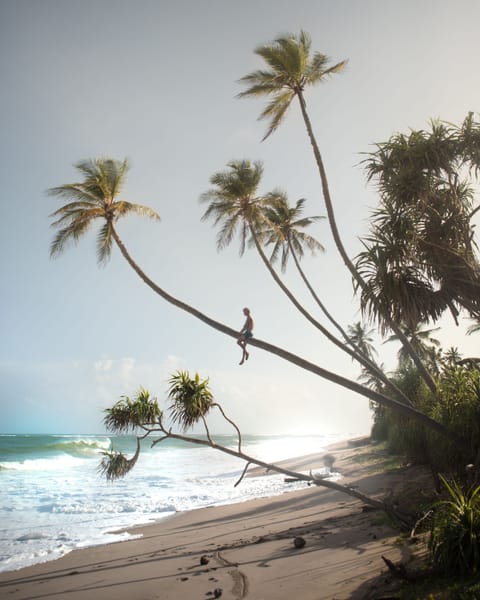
53	500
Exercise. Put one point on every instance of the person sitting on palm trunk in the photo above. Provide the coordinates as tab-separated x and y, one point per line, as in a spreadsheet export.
245	334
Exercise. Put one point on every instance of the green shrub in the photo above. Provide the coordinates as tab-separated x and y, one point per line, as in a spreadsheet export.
455	536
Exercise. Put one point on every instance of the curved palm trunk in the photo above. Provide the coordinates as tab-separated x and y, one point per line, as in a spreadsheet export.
406	410
339	244
316	298
370	365
355	353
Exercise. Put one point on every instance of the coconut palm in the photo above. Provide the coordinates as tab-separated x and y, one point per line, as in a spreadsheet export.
96	198
287	234
284	229
421	339
452	356
236	206
235	203
285	226
291	67
362	338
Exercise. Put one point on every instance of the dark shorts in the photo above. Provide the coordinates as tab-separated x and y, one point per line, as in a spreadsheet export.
248	334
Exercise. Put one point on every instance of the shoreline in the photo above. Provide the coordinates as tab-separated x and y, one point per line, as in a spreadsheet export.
248	547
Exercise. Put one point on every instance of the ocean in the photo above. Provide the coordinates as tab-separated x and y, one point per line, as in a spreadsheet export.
53	499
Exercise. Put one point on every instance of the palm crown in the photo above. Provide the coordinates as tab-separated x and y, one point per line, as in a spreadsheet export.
291	67
285	229
234	201
93	198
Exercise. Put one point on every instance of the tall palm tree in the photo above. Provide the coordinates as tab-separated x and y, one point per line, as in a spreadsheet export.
452	356
288	236
284	229
235	204
291	67
96	198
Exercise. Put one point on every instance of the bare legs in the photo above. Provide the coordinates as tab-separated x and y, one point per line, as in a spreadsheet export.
242	342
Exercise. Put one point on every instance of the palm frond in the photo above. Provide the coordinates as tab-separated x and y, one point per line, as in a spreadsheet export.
123	208
93	198
276	111
291	67
104	243
69	235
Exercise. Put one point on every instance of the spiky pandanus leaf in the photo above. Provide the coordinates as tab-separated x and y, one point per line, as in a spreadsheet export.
191	399
115	465
127	414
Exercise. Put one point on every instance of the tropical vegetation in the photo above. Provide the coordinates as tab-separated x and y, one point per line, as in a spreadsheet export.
418	262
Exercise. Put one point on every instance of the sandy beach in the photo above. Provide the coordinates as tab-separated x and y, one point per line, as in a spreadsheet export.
244	550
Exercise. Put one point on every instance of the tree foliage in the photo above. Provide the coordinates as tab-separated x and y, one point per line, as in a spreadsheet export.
291	67
420	257
418	261
95	197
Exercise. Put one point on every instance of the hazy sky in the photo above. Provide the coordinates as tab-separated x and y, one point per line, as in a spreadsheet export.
156	81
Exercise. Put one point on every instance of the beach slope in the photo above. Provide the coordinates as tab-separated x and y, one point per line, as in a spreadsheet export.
245	550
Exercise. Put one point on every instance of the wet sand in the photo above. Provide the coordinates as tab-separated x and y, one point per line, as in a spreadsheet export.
244	550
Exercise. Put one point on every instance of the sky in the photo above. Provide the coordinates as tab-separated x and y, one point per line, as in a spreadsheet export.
156	82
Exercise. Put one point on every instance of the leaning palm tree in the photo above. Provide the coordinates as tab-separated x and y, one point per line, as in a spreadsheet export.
235	203
285	230
291	67
288	235
237	207
95	198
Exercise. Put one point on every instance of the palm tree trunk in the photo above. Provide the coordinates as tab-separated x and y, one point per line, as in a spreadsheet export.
370	365
355	354
315	296
408	411
341	249
166	296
